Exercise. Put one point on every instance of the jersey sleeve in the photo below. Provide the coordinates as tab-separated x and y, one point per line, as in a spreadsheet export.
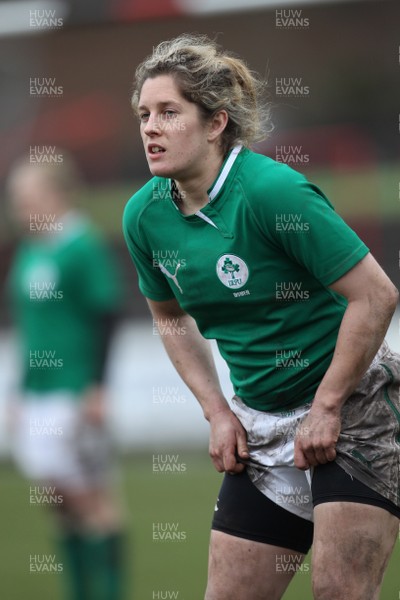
299	218
152	282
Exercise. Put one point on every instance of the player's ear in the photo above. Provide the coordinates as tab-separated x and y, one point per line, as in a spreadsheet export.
217	124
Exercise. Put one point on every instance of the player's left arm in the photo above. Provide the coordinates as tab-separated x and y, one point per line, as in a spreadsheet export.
372	300
95	396
100	297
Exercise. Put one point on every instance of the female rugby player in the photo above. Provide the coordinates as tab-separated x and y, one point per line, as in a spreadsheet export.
260	261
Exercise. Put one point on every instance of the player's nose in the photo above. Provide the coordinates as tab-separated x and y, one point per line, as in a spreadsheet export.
152	126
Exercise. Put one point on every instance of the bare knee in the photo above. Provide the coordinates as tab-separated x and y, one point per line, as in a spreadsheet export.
352	546
354	570
240	568
327	586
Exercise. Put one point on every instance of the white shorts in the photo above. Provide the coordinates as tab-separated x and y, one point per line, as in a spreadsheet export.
52	443
367	448
271	468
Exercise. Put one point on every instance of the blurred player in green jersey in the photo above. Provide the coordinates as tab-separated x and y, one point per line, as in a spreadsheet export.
65	293
231	245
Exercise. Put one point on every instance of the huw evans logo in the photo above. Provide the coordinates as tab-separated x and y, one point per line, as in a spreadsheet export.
45	19
168	327
168	463
45	87
290	564
44	359
168	259
287	494
44	563
291	155
167	395
290	291
168	532
289	359
291	87
291	19
44	222
44	495
44	155
44	290
162	191
46	426
291	223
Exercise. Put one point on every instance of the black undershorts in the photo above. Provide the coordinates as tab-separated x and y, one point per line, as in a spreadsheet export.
245	512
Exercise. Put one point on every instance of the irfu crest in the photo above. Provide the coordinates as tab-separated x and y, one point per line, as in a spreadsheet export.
230	267
232	271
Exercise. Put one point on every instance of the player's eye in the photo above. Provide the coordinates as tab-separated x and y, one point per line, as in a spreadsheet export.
144	117
169	114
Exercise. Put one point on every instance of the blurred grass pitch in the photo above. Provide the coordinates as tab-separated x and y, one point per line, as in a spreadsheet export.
182	502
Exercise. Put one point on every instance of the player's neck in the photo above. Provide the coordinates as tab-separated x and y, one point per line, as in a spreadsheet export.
193	191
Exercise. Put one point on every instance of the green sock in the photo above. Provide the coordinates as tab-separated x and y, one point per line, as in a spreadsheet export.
74	573
103	563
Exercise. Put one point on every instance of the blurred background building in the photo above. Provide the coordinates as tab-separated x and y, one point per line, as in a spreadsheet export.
66	70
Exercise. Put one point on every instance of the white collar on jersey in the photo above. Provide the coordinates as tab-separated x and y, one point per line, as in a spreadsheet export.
219	183
224	173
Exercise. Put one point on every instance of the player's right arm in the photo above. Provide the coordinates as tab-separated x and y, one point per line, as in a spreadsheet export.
191	355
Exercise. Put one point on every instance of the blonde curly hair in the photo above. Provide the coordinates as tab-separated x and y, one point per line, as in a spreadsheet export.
213	79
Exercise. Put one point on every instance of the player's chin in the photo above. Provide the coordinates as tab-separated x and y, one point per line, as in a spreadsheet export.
160	170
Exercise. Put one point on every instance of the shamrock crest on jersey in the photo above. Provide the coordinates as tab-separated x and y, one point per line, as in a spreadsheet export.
232	271
231	268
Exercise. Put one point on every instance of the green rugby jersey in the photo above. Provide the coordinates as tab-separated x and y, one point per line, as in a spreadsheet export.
253	268
60	285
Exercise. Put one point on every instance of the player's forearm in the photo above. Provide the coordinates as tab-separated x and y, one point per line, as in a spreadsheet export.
361	333
107	323
192	357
